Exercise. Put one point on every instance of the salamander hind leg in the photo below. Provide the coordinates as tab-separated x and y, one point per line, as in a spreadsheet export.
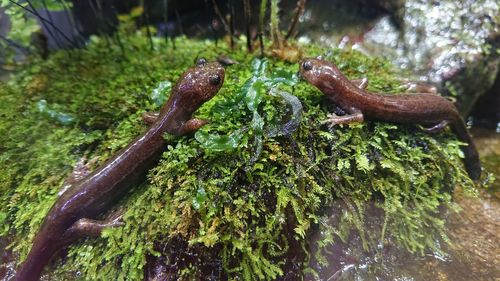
150	117
86	227
439	127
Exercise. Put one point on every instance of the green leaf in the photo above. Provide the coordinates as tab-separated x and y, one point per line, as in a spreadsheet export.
63	118
160	93
282	76
294	122
362	162
254	89
199	199
215	142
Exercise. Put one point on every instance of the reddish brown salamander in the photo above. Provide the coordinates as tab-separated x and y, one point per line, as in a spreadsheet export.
426	109
73	214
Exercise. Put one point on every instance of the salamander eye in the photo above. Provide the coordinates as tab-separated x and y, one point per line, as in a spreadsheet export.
307	65
214	80
201	61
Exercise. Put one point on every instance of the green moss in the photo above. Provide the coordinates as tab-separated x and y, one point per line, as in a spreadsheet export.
249	198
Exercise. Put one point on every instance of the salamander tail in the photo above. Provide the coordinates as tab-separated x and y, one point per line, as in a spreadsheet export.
32	267
45	245
471	161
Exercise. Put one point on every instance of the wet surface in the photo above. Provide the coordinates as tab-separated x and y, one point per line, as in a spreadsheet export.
7	263
474	232
341	23
175	254
440	42
474	253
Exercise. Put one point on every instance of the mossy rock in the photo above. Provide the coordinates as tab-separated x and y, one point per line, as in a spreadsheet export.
242	195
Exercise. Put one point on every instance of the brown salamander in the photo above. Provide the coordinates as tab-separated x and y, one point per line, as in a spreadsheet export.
72	216
426	109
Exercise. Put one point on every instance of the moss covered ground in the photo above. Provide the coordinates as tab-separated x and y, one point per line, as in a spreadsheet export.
246	191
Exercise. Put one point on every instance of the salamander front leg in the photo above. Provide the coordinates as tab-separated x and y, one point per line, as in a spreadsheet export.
191	126
150	117
436	128
354	115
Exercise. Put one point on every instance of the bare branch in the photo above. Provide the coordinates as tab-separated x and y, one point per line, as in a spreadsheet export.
222	19
299	10
248	17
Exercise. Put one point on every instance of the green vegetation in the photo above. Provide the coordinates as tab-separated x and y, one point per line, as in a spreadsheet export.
246	187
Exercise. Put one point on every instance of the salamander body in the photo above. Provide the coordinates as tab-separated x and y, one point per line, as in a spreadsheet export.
426	109
73	214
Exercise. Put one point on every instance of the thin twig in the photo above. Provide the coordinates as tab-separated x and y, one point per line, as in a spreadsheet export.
299	9
15	45
262	15
165	20
49	14
99	23
231	23
44	46
117	33
275	31
221	18
146	20
71	19
248	17
43	20
99	14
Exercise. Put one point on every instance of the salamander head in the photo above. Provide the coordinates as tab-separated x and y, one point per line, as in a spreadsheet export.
198	85
316	71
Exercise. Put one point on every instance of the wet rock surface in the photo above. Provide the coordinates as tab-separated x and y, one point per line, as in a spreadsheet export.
486	113
452	44
474	232
7	259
